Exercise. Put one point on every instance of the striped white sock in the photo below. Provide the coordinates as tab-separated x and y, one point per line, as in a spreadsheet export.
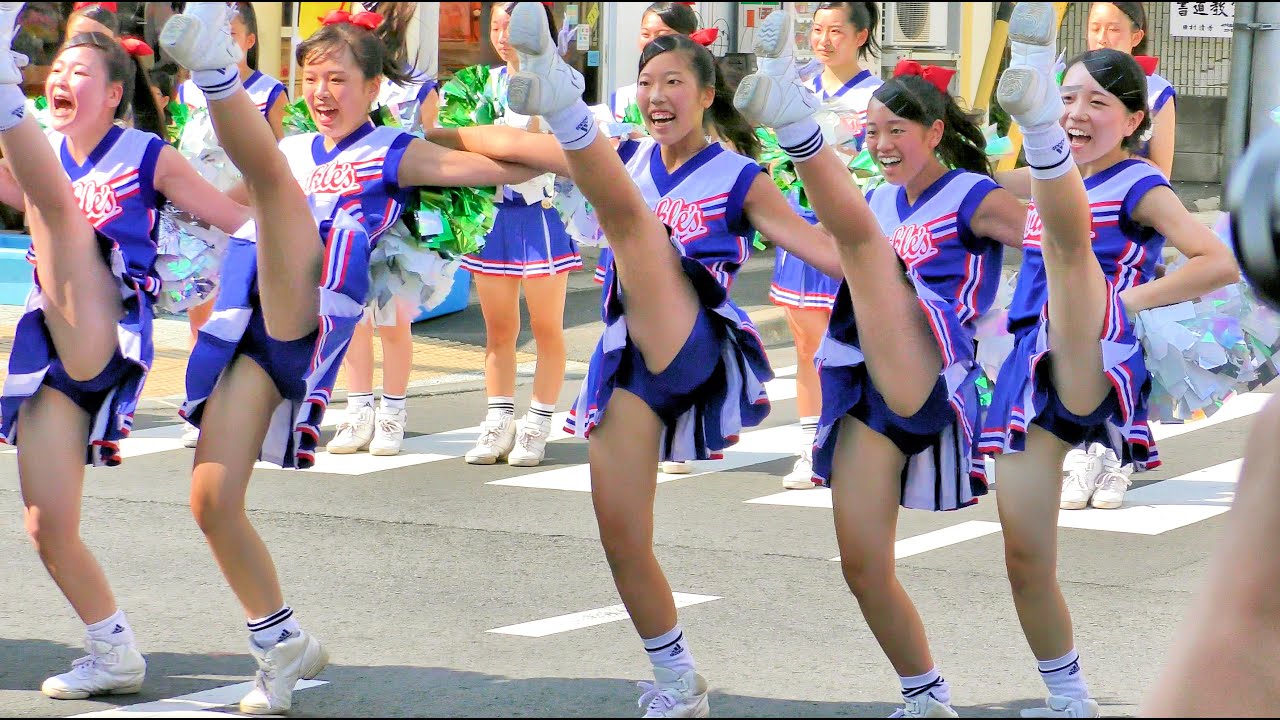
670	651
274	628
1064	677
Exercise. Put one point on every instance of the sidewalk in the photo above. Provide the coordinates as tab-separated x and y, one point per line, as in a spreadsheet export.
448	352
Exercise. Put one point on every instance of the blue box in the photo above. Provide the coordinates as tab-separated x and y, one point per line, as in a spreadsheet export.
458	298
15	272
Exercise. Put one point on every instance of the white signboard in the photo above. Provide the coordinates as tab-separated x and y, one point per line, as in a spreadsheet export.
1201	19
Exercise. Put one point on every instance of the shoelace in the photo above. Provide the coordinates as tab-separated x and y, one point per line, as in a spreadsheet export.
85	665
1114	482
489	434
528	436
658	698
390	426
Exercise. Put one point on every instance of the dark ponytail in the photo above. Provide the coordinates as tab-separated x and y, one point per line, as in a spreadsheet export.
132	76
913	98
1119	74
862	16
675	15
728	124
371	56
1138	16
249	16
98	14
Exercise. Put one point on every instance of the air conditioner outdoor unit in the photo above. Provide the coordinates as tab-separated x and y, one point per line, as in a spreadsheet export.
915	24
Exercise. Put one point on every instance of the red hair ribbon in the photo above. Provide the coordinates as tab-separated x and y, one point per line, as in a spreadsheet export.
938	77
705	36
364	18
136	47
1147	63
109	7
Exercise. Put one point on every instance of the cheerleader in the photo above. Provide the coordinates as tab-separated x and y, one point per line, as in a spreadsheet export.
659	19
842	36
680	369
261	373
528	246
382	430
1094	234
921	260
82	349
270	97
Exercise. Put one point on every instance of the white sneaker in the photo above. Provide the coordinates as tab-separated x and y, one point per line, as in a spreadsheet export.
496	440
301	657
545	83
354	434
107	670
676	467
1112	485
531	444
1081	481
190	436
924	706
675	696
801	475
11	61
388	432
1027	90
200	38
1058	706
774	96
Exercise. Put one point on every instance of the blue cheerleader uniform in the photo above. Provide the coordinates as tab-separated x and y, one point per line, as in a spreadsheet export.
795	283
1160	92
116	192
956	275
355	196
715	385
1024	394
528	238
262	88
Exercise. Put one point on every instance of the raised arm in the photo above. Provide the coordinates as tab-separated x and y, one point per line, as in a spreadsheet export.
1210	262
178	180
770	213
428	164
536	150
1001	217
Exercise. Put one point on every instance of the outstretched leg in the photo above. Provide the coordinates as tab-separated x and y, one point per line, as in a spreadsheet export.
902	353
290	256
81	298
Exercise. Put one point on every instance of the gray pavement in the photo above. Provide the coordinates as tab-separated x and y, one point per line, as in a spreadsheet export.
404	570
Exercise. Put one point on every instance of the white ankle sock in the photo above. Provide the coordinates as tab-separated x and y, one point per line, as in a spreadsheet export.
217	84
670	651
931	683
801	140
13	106
809	429
1064	677
392	403
540	413
114	630
274	628
574	126
355	401
500	407
1048	151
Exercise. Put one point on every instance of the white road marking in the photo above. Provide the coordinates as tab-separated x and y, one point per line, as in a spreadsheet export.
588	618
193	705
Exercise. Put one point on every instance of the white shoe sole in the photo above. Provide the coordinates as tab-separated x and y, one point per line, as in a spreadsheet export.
384	452
484	460
798	484
82	694
1033	23
175	33
1072	505
771	38
1020	91
1106	504
521	88
524	462
752	97
345	450
528	32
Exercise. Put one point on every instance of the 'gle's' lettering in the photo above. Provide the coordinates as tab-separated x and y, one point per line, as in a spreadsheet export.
683	217
97	201
336	178
914	244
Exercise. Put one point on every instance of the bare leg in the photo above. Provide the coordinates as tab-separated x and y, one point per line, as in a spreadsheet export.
397	353
197	316
623	484
1030	483
359	358
232	430
500	305
52	432
901	350
1224	658
545	297
807	327
865	495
